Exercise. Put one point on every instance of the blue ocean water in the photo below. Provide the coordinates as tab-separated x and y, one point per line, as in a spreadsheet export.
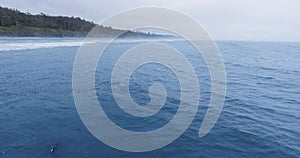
260	118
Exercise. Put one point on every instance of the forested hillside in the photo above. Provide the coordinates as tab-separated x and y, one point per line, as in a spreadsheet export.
15	23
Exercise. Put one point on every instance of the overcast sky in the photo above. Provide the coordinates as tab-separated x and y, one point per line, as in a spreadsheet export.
263	20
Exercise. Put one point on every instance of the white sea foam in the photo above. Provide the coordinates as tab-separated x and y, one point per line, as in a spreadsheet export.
13	44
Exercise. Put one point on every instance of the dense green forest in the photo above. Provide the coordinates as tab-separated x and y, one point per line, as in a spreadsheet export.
15	23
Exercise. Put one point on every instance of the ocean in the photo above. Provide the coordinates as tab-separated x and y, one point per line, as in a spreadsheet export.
260	117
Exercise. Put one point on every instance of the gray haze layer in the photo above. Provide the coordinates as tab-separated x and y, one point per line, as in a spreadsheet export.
269	20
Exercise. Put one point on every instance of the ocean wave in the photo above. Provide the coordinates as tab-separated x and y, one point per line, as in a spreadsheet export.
23	43
37	45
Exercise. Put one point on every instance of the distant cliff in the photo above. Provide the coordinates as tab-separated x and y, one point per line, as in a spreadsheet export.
14	23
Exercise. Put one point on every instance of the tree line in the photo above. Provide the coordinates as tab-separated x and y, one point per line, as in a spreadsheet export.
15	18
16	23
